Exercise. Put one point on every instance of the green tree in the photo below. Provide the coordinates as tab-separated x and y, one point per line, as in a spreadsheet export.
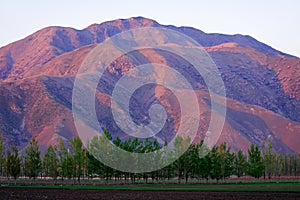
181	145
187	161
1	156
151	146
50	163
216	169
240	164
255	166
204	164
13	163
33	163
78	157
168	171
96	147
193	161
279	165
226	160
294	165
94	166
62	158
269	159
69	164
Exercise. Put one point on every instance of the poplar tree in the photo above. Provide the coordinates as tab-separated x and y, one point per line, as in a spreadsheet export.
255	166
13	162
78	157
50	163
33	163
62	158
240	164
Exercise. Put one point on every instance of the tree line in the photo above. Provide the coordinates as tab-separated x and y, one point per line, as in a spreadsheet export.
73	161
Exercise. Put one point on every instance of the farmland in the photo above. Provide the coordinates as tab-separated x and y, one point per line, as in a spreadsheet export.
260	189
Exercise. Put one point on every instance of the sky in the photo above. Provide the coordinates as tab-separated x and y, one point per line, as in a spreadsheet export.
274	22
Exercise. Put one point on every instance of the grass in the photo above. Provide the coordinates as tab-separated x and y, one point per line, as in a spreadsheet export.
232	187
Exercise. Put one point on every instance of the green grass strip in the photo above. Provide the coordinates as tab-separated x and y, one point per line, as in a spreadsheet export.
270	187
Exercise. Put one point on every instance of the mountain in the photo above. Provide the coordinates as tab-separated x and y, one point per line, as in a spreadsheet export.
37	75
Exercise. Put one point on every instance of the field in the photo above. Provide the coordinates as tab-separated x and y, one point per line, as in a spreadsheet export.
259	190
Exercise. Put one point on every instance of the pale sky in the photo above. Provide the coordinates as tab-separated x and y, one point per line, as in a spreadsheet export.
274	22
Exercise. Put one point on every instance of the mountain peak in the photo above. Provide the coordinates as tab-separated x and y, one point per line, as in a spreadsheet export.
125	24
37	75
47	43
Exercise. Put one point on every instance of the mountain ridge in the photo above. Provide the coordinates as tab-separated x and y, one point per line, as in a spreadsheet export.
57	40
37	73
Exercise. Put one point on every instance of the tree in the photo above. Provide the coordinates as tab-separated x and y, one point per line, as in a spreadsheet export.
193	161
240	164
50	163
96	147
93	165
187	160
216	170
62	158
1	156
226	160
33	163
78	157
255	166
269	159
181	145
13	163
204	166
294	164
279	165
99	147
69	164
168	171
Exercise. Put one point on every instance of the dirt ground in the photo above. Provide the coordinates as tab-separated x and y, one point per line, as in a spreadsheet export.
14	194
